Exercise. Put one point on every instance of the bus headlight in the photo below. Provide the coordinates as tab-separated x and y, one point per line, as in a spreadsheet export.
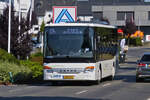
89	69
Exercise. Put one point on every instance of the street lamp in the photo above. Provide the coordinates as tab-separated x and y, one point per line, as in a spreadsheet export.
9	26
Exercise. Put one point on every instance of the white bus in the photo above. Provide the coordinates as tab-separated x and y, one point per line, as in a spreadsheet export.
79	52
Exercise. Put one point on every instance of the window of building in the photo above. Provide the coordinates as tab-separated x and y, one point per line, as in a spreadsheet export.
146	0
149	15
125	15
120	15
98	15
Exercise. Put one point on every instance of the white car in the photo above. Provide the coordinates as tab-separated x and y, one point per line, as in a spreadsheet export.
38	45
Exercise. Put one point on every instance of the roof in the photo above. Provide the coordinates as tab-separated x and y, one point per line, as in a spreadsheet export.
81	24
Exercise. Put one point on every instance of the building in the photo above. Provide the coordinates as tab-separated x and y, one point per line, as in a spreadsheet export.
3	5
116	11
24	6
43	8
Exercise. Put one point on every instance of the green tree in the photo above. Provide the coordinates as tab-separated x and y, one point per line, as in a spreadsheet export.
41	31
42	27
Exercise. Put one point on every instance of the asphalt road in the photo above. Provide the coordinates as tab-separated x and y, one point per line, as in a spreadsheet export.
123	87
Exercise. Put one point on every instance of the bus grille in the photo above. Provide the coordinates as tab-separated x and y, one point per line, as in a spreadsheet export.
68	70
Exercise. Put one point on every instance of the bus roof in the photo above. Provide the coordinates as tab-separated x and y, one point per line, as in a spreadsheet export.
81	24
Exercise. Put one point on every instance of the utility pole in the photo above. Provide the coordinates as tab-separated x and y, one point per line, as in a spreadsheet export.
9	26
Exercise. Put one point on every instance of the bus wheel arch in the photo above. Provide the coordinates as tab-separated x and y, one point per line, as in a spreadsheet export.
113	71
99	79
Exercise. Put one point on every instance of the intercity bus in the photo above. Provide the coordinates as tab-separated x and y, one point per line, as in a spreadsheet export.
79	52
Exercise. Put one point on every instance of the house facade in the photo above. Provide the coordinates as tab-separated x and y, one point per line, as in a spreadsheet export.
24	7
3	5
116	11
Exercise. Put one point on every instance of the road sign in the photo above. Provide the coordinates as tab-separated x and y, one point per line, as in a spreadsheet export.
63	14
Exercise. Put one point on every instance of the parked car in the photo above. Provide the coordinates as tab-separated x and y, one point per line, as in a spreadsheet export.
37	44
143	67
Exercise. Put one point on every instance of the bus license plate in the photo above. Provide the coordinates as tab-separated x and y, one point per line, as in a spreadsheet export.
68	77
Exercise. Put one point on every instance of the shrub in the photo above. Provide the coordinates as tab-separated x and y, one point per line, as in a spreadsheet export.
36	54
37	57
36	68
136	41
20	73
7	57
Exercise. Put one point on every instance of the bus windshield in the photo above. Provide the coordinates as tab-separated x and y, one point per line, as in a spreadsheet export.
68	41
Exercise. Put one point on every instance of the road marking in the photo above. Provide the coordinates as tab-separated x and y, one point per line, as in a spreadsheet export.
82	92
107	84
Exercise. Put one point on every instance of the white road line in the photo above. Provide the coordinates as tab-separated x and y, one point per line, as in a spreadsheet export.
82	92
107	84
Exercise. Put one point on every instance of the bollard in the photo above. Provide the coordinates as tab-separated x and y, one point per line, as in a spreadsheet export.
11	77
